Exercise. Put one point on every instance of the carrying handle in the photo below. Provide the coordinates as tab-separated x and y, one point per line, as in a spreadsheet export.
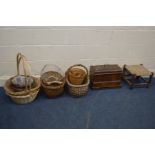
52	82
21	60
26	67
43	70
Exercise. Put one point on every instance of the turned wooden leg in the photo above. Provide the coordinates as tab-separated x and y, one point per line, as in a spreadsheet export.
133	79
131	86
137	77
124	70
150	80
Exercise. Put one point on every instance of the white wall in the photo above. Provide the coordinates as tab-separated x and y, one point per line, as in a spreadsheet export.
65	46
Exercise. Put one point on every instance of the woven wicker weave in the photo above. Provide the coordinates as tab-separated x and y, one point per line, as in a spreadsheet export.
10	90
28	94
52	83
138	70
24	99
76	75
78	90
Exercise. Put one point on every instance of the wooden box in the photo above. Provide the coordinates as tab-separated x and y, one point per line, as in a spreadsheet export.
105	76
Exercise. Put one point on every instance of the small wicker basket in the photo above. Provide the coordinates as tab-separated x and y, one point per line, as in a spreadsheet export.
27	94
76	75
52	81
78	90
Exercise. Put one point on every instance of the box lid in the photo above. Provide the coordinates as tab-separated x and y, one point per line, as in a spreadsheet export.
105	69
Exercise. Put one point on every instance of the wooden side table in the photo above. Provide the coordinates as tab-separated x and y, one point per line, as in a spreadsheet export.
135	75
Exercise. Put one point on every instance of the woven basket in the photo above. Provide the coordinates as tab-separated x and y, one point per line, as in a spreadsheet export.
24	99
78	90
76	75
52	83
29	93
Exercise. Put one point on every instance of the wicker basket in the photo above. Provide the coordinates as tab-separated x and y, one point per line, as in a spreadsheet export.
24	99
52	81
29	93
76	75
78	90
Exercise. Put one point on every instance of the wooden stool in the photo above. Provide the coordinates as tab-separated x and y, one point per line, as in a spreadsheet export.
134	76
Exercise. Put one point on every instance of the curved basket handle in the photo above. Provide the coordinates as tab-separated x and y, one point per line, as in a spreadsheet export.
42	72
54	82
43	69
47	78
18	62
21	59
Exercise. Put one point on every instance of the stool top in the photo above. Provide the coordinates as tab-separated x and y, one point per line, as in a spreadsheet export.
138	70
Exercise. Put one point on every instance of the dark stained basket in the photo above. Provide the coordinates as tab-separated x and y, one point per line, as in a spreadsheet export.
52	82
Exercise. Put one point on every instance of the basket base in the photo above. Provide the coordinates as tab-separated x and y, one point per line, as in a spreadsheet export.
77	96
24	100
51	96
77	92
51	93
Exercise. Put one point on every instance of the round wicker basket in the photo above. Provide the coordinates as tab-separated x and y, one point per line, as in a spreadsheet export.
27	94
76	75
24	99
81	89
52	81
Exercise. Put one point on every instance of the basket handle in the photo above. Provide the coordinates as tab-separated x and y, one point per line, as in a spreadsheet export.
43	69
49	83
21	59
56	82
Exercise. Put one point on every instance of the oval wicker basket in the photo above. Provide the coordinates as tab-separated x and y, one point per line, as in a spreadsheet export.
29	93
78	90
52	82
76	75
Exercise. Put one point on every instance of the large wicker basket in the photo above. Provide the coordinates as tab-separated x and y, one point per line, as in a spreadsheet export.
78	90
52	81
29	93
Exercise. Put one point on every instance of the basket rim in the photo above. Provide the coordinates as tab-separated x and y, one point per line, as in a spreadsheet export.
87	74
83	85
23	96
22	93
78	65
